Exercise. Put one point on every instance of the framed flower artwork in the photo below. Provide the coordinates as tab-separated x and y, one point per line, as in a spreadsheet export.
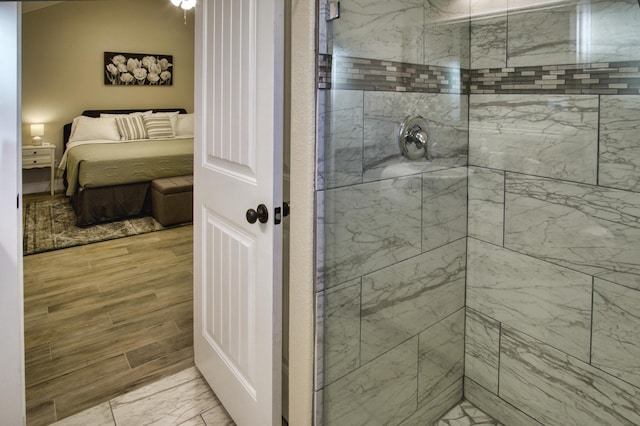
138	69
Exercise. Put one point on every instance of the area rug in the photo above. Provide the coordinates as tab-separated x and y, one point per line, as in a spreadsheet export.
50	224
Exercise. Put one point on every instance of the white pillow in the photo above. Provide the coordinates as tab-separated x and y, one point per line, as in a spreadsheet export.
173	117
106	114
87	128
185	125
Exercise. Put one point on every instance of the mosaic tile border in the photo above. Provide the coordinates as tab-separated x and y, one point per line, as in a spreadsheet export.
388	76
608	78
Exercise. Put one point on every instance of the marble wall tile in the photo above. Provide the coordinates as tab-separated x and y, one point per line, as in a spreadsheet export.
616	340
318	349
400	301
340	162
446	115
444	207
341	340
549	302
535	134
446	33
613	30
486	204
379	29
488	43
588	228
557	389
499	409
380	392
488	34
619	142
541	36
579	32
441	357
432	409
367	227
318	408
482	350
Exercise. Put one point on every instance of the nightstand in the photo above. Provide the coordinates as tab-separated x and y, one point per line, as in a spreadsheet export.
39	156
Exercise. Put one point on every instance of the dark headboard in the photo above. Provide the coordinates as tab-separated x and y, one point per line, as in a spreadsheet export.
96	113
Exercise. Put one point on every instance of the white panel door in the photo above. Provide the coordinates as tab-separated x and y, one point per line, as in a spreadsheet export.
238	166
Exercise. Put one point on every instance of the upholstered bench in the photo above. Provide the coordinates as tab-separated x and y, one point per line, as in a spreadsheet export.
172	200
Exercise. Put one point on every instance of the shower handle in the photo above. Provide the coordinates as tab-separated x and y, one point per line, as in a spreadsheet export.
418	137
413	138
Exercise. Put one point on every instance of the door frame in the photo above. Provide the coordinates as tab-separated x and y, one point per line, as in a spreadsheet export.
302	172
12	393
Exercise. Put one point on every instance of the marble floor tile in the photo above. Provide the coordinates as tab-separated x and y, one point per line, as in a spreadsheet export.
466	414
169	401
100	415
182	399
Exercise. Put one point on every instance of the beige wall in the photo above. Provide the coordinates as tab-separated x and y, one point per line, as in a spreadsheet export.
62	60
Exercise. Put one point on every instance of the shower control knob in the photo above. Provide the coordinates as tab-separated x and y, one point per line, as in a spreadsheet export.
261	213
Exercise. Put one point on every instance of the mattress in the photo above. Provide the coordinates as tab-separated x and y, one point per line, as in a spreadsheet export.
93	165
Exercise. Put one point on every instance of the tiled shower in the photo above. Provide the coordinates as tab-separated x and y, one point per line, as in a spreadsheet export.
505	270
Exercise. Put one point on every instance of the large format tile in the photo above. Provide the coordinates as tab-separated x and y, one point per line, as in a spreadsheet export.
446	33
486	204
441	357
383	391
446	116
616	321
541	36
500	410
619	147
379	29
549	302
367	227
341	340
217	416
465	413
488	34
482	350
606	31
583	227
557	389
444	207
100	415
432	409
400	301
340	157
169	401
535	134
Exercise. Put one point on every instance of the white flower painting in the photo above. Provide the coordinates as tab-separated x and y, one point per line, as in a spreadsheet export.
138	69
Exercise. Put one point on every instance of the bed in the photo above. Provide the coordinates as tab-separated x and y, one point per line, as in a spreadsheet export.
108	168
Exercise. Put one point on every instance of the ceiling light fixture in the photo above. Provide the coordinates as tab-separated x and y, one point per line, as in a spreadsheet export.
185	5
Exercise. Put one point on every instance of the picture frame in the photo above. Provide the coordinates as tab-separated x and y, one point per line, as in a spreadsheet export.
138	69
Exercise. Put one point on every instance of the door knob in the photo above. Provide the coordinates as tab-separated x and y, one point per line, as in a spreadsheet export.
261	213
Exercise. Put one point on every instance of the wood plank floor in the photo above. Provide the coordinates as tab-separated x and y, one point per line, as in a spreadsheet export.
105	318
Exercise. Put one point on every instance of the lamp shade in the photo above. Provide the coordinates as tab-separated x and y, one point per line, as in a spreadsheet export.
37	130
188	4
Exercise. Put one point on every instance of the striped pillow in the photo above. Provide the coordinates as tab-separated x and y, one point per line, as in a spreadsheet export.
158	126
131	127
